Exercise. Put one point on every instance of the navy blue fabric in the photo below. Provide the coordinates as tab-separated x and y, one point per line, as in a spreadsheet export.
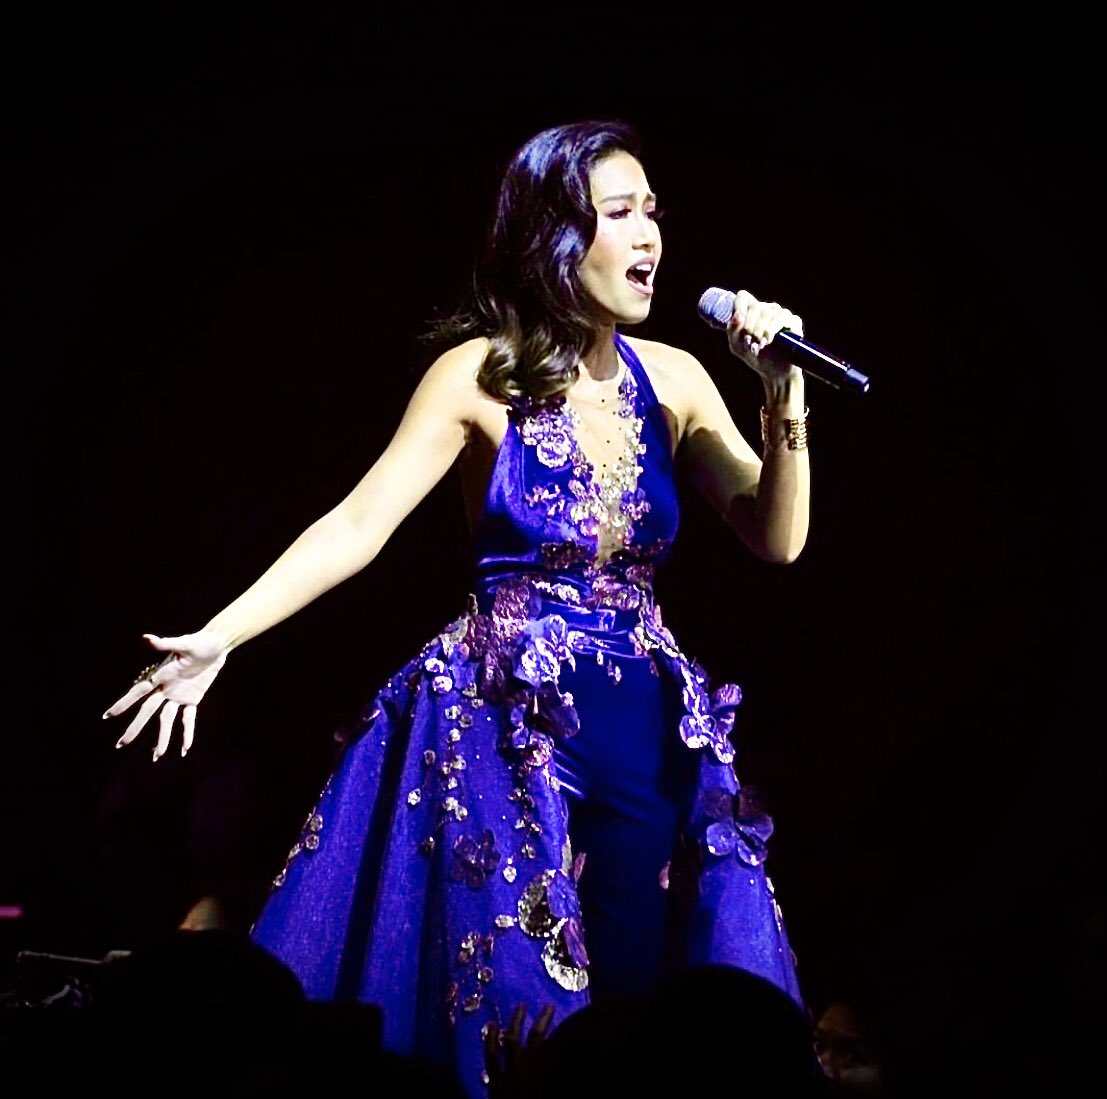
542	805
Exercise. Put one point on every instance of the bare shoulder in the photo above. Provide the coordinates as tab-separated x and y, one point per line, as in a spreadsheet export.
665	361
675	374
450	386
456	368
452	379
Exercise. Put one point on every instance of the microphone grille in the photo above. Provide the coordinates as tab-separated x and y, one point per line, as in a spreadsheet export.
716	307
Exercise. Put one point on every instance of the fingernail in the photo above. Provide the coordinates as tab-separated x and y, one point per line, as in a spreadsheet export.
184	752
119	743
156	757
104	716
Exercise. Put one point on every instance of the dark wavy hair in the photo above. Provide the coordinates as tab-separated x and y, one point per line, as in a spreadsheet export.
527	296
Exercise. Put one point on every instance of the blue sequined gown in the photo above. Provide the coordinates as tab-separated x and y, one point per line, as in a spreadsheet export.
542	805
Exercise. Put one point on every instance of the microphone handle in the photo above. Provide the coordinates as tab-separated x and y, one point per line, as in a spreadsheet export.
816	362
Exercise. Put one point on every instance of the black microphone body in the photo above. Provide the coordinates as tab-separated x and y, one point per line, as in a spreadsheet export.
716	307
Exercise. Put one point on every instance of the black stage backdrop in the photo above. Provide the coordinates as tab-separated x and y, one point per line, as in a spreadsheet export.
231	227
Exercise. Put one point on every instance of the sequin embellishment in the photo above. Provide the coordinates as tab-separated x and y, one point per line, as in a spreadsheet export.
602	504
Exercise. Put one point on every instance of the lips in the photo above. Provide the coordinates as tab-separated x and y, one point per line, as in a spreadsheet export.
640	277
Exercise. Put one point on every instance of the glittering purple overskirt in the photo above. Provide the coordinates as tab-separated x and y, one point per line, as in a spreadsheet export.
435	875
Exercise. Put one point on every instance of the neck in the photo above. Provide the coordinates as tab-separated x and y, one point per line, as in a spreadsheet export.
601	360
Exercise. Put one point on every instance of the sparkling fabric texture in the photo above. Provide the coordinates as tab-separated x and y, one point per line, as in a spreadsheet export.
542	803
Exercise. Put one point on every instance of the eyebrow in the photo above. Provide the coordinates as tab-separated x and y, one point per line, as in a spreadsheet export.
630	197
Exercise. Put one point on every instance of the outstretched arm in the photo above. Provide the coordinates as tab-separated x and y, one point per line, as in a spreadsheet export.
765	500
336	546
342	542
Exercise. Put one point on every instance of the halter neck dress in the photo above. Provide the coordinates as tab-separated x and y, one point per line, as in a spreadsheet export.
542	805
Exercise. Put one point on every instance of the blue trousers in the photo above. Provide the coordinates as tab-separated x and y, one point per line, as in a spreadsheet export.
627	778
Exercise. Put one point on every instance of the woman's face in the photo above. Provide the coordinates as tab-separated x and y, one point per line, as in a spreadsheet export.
619	267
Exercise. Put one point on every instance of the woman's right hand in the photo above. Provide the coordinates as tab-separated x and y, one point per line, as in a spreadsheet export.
175	685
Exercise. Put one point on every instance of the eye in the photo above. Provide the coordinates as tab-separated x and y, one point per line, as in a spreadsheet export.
656	214
619	213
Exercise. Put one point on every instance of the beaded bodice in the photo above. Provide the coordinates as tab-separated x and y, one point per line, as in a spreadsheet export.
549	511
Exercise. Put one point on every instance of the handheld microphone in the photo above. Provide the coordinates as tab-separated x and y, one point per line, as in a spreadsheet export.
716	307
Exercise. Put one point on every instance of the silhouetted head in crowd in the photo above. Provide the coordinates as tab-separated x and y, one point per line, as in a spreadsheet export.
708	1016
208	1014
699	1023
591	1053
212	995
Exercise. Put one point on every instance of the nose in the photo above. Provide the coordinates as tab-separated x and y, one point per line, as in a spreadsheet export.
647	234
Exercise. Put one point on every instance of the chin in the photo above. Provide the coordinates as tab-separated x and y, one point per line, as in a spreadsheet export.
621	312
632	312
637	316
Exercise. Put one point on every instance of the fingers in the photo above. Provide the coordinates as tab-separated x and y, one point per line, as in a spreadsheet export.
743	301
165	728
491	1034
188	727
510	1044
166	718
166	644
505	1056
792	321
759	323
144	685
177	684
139	689
541	1028
515	1025
134	693
756	322
153	700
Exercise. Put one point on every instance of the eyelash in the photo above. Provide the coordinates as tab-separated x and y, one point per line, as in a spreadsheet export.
654	215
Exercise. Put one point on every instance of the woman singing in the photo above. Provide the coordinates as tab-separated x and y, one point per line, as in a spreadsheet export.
542	805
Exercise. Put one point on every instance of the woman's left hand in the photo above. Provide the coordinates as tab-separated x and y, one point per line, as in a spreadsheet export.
751	332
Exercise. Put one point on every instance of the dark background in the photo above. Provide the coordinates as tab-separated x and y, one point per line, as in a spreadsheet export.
230	228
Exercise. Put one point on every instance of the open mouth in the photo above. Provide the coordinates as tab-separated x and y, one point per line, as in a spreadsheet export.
640	276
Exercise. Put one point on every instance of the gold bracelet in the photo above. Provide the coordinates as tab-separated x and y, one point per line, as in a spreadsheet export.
795	431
